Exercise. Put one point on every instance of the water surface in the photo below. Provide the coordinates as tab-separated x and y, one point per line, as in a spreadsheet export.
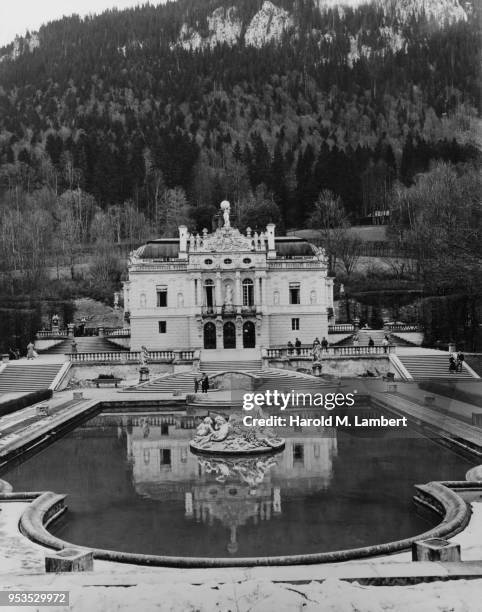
133	485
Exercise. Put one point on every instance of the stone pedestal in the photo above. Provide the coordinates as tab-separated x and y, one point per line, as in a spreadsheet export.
70	330
78	395
477	419
435	549
69	560
100	331
42	410
392	388
5	358
143	374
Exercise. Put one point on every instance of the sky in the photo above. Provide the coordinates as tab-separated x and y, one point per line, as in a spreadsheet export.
18	16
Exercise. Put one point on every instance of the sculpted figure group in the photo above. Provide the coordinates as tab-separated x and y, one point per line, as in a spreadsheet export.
220	435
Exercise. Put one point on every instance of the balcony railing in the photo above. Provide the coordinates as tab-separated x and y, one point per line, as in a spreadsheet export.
306	352
233	309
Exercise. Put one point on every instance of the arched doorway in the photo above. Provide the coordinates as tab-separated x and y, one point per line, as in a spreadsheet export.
229	335
249	335
209	336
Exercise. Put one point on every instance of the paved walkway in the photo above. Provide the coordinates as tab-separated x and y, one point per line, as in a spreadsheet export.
114	586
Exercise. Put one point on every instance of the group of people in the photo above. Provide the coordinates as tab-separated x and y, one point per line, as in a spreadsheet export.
294	347
202	382
456	362
14	353
318	348
371	342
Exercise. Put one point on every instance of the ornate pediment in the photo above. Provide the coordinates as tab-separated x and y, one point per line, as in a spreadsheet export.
225	239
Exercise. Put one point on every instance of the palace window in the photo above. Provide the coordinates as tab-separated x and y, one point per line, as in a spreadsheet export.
298	453
294	293
295	324
162	327
228	261
248	292
246	260
161	296
164	429
209	292
165	456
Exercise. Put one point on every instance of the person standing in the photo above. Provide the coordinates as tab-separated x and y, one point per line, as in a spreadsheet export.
356	344
452	365
205	383
324	344
298	346
74	347
196	385
30	351
460	361
385	344
290	347
371	342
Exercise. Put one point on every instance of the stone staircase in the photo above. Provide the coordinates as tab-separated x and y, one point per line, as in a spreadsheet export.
251	365
432	365
17	377
182	382
285	381
85	344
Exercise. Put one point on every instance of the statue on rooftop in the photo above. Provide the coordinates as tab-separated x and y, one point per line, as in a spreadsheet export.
225	207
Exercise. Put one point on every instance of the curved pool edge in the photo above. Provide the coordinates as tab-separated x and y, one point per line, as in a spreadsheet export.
438	497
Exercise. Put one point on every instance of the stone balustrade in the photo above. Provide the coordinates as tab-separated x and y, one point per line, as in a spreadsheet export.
120	332
340	328
401	327
132	356
293	264
47	334
305	352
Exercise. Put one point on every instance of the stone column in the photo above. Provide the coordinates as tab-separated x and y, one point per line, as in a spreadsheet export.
238	300
263	288
257	297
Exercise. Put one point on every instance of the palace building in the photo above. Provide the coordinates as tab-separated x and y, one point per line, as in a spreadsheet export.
227	290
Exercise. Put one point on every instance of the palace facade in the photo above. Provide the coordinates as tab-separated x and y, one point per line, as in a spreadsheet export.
227	290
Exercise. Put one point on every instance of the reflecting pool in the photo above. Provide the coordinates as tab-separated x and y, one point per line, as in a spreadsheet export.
133	485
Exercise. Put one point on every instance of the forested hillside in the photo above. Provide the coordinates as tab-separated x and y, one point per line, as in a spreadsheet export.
342	99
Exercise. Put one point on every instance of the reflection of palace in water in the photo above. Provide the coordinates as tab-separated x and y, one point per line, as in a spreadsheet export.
232	491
